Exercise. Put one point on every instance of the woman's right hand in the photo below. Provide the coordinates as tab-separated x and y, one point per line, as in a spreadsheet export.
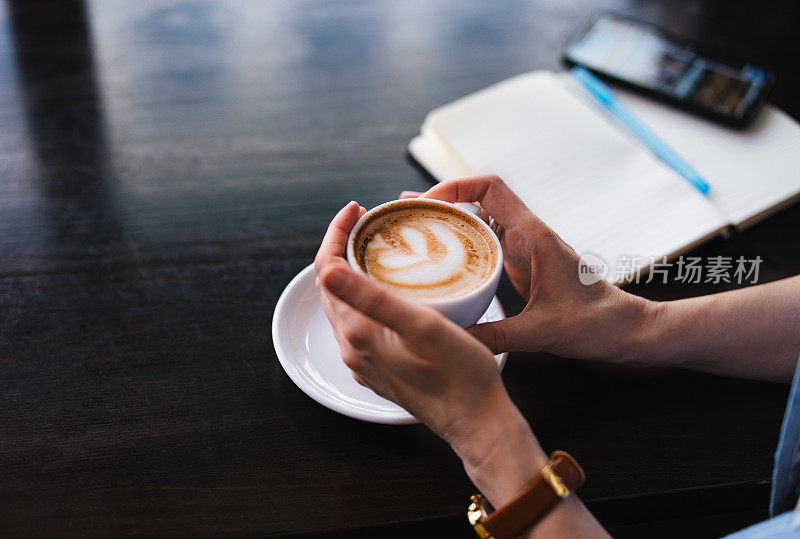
563	316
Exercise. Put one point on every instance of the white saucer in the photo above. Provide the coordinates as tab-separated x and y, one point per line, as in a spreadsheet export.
309	354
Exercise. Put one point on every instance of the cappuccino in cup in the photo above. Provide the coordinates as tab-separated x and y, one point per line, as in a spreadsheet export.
421	250
429	251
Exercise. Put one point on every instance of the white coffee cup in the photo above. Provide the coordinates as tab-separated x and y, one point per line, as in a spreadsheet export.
464	309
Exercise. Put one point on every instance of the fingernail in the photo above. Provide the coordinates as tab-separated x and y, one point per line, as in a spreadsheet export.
335	280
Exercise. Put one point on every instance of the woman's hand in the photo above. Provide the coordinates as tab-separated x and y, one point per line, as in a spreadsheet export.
563	316
404	351
415	357
446	378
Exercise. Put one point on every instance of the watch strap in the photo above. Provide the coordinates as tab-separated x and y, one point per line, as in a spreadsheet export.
560	476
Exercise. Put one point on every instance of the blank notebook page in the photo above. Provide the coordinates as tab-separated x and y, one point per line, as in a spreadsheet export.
749	171
575	168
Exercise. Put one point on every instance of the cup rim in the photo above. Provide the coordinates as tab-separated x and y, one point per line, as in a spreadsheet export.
350	252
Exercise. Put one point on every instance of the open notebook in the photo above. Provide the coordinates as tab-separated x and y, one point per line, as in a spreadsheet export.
597	185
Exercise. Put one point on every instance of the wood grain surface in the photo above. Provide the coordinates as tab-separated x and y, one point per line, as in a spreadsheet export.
167	167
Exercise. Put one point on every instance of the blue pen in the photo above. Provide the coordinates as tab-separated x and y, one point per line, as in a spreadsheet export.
606	97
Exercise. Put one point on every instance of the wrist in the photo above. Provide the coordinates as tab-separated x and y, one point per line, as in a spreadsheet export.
613	326
640	343
502	456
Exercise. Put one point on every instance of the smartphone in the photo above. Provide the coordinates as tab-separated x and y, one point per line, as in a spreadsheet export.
645	58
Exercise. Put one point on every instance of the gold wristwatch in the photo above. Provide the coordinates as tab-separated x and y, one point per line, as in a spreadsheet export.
557	480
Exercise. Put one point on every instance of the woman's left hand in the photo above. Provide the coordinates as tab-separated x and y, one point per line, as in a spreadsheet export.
417	358
404	351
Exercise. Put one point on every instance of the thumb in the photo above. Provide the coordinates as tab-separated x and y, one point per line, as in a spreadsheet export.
501	336
369	298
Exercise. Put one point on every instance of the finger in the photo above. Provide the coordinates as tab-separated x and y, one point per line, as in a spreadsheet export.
494	195
485	215
331	313
333	309
367	382
419	326
327	306
350	327
353	358
361	211
334	244
501	336
409	194
360	381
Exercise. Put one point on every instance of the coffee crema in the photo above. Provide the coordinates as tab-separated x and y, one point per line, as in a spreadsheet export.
425	250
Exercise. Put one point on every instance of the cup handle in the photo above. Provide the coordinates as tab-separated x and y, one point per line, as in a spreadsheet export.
471	208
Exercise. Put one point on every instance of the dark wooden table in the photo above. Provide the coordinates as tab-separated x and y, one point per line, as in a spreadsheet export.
167	167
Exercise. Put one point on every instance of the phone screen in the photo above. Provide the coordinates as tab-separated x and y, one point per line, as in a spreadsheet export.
640	55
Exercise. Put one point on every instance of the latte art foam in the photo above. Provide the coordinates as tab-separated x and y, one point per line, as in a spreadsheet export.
425	251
